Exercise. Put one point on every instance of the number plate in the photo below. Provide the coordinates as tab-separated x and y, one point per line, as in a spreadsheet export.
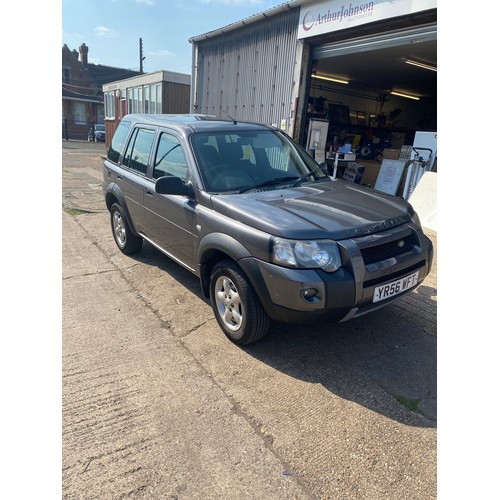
395	287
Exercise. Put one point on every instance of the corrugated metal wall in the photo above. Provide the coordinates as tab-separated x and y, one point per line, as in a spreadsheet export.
247	73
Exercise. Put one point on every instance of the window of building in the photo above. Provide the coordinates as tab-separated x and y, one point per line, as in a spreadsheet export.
170	158
158	99
136	100
109	104
80	113
147	107
130	101
153	99
139	100
66	75
144	99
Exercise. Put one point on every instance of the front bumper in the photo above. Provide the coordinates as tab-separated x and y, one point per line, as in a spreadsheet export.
368	262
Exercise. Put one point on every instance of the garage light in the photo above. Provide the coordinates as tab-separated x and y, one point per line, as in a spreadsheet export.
400	94
421	65
331	79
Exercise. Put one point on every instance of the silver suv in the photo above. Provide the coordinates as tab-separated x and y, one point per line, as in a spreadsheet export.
269	234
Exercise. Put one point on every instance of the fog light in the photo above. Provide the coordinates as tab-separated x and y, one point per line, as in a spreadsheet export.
311	295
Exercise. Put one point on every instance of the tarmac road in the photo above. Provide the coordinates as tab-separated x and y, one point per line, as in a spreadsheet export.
158	404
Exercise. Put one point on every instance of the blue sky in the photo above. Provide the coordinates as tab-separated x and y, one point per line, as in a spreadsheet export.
112	28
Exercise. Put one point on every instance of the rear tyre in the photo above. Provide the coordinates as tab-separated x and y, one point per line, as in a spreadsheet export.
236	306
125	239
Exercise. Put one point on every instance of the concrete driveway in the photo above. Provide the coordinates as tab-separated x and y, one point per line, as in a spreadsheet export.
158	404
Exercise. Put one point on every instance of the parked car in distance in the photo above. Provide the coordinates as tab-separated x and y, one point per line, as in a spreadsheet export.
269	234
98	134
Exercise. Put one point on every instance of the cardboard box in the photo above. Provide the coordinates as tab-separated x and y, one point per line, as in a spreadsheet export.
371	172
348	156
353	172
398	140
391	154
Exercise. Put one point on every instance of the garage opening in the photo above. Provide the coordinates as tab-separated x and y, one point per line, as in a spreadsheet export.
377	97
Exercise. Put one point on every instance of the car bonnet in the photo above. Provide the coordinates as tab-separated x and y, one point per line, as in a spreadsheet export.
336	210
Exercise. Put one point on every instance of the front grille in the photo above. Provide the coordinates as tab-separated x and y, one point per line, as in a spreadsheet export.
393	276
390	249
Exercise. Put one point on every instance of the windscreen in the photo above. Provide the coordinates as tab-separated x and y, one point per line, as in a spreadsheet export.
246	160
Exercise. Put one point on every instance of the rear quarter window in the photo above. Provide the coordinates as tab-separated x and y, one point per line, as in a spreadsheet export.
118	141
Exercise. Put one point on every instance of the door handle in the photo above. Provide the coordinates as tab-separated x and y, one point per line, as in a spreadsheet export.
149	192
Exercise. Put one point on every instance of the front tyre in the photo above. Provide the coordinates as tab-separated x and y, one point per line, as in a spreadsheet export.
125	239
236	306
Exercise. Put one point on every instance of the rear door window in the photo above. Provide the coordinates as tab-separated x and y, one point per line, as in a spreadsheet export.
139	150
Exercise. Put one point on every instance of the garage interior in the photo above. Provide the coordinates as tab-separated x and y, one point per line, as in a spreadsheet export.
378	94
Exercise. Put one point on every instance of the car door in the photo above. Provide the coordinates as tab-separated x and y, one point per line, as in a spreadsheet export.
132	177
170	218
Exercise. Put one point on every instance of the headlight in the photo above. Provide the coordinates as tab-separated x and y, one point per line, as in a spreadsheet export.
415	219
323	254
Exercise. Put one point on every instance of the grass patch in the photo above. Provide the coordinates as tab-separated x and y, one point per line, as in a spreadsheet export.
74	211
411	404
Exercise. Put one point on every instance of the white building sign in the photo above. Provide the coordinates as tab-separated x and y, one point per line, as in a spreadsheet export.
333	15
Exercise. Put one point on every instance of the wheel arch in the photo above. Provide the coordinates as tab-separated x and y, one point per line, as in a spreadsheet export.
212	249
115	195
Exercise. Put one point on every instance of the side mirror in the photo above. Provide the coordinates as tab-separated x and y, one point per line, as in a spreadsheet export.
173	185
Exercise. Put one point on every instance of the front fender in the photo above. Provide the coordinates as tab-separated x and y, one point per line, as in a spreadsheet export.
219	246
213	248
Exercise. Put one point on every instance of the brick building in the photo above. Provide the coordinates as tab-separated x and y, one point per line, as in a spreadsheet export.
104	94
82	94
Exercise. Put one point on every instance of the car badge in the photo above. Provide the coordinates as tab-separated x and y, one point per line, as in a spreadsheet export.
401	243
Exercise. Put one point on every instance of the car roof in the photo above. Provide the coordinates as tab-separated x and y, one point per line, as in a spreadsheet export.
190	123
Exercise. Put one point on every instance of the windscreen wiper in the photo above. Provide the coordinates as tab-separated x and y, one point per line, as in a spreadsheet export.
300	180
270	182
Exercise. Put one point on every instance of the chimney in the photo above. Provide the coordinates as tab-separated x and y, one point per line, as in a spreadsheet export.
84	50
